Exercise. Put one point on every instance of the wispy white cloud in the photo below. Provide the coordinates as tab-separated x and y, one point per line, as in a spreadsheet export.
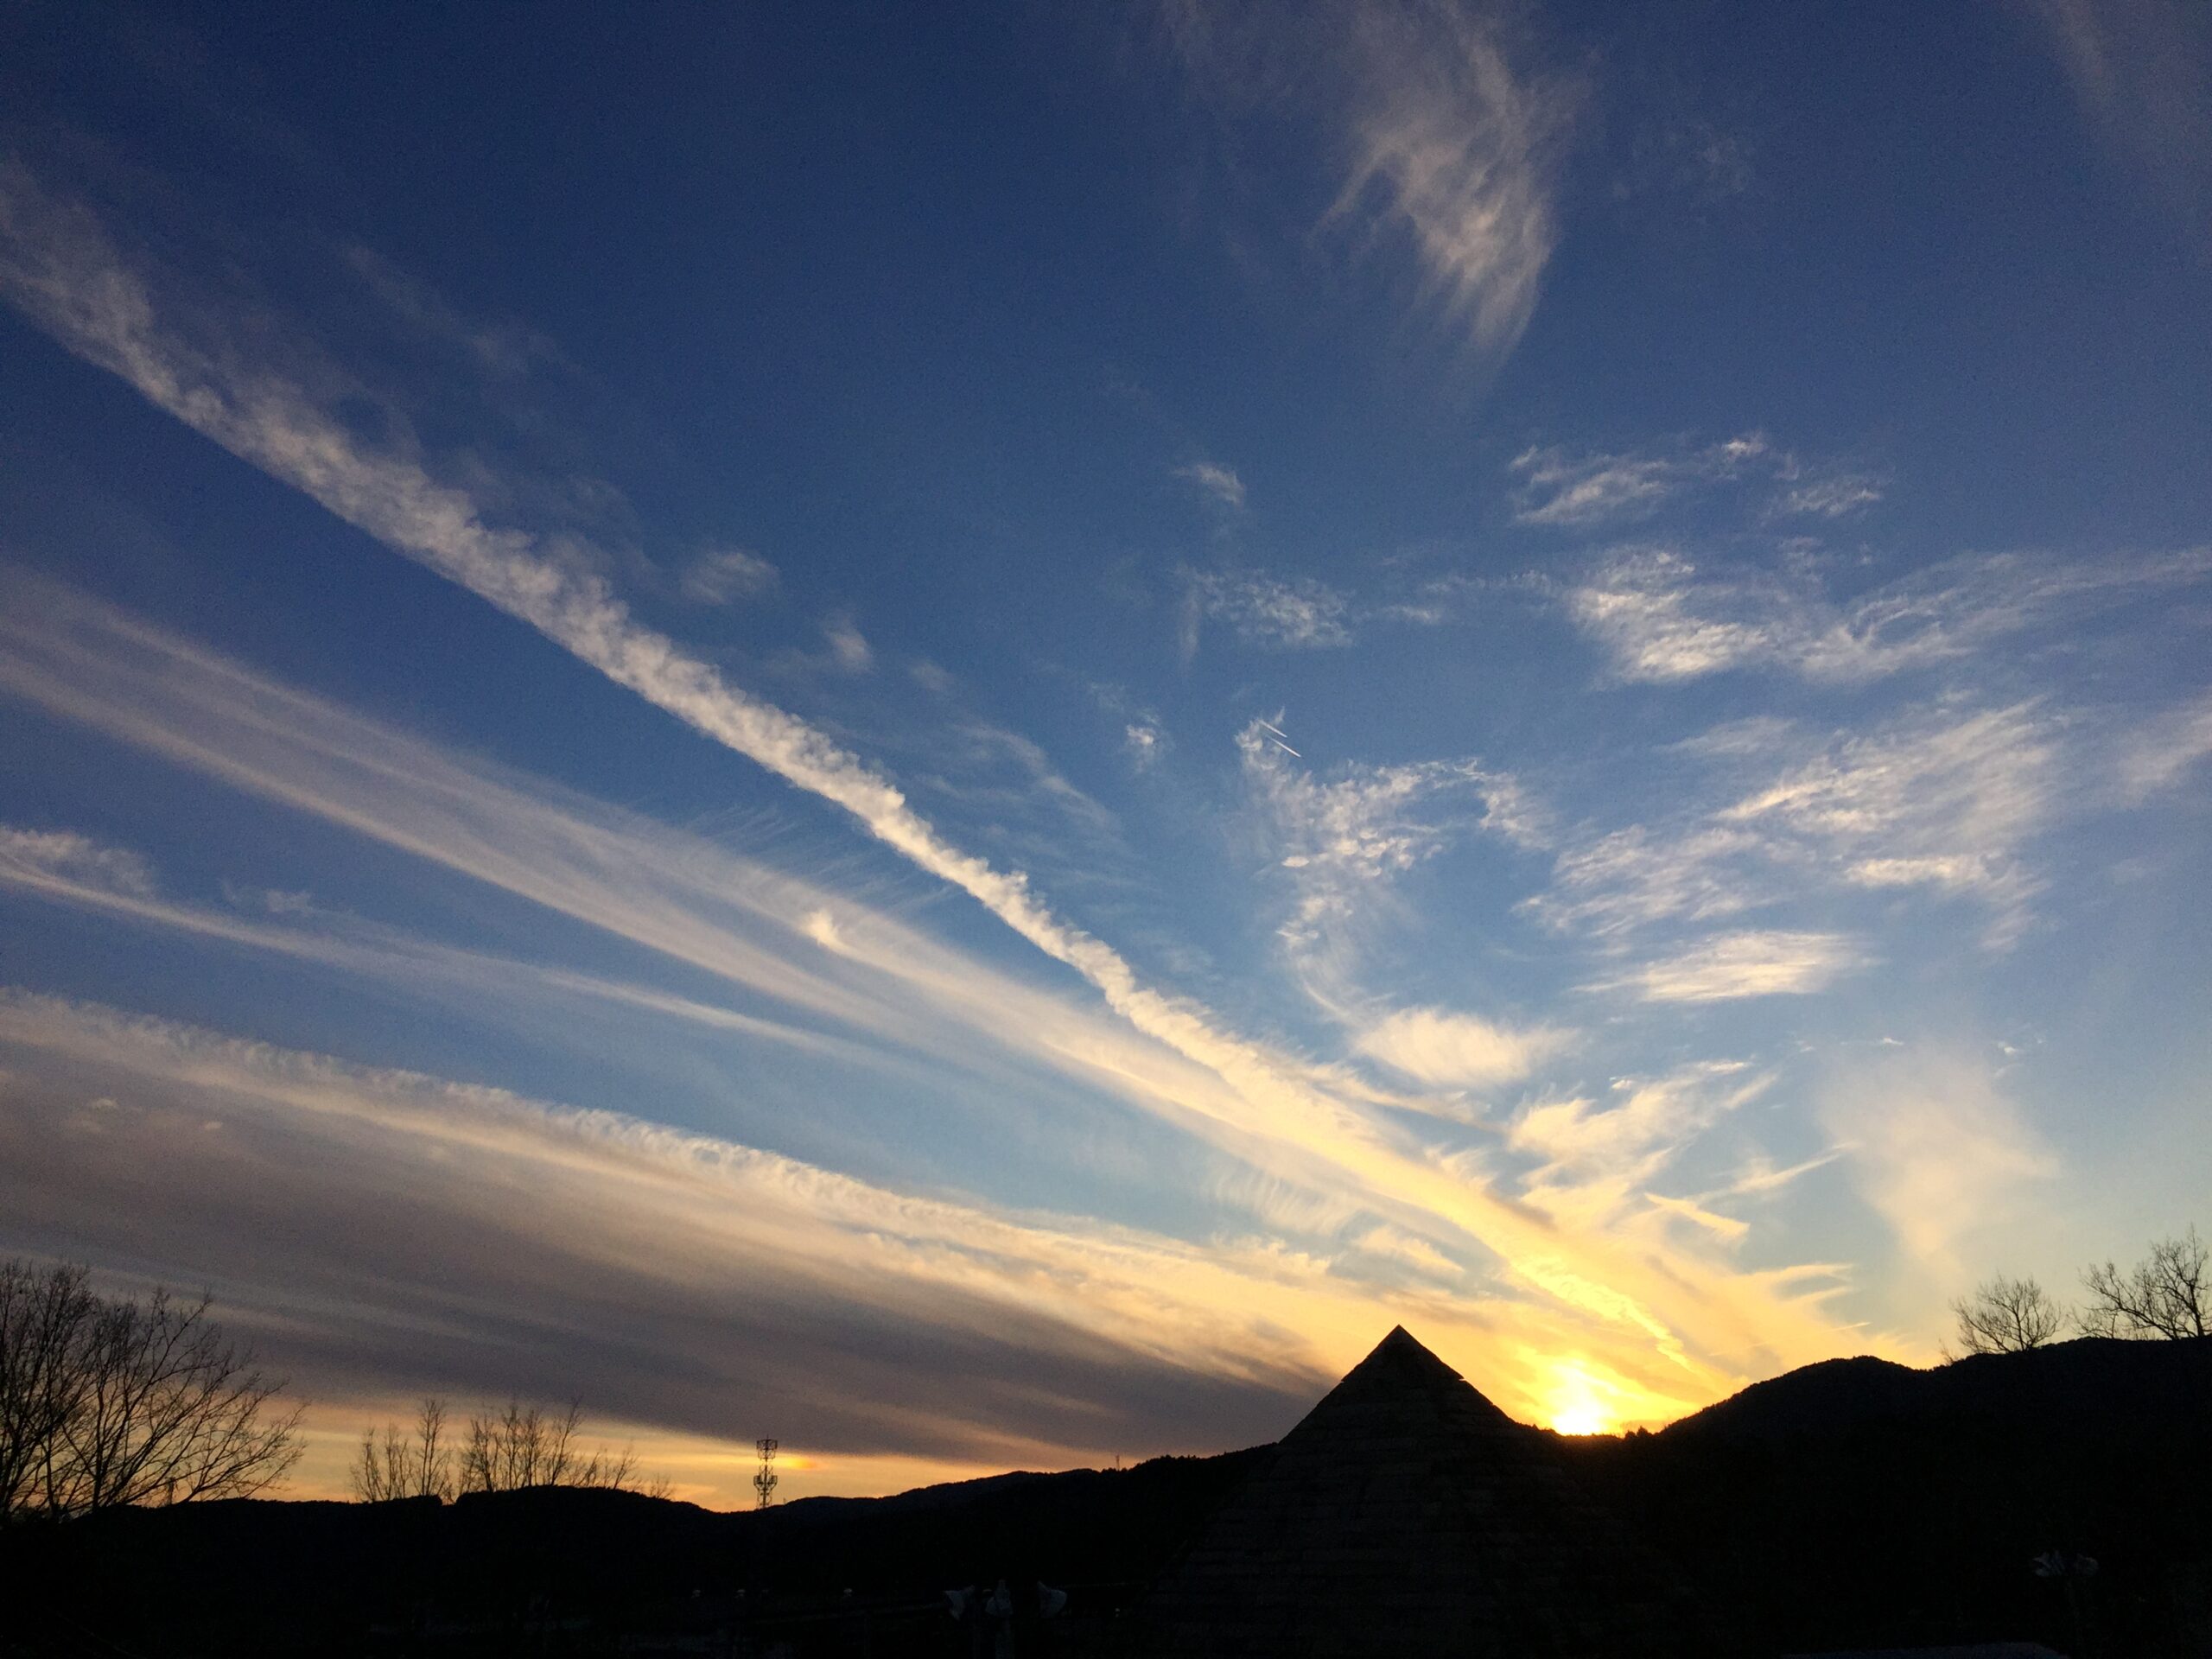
505	349
1588	490
1634	878
1007	781
1657	621
1304	613
2142	72
1416	1252
1289	614
693	902
2163	750
1730	966
1567	490
118	883
1727	1228
931	677
737	1272
1340	841
1436	134
1648	1120
443	972
1217	481
1449	1050
1594	1161
1946	800
1660	616
1690	160
849	646
1340	844
1945	804
1450	140
1759	1177
607	1246
722	576
59	267
1836	495
1308	1159
879	982
1936	1149
41	857
1144	741
1578	491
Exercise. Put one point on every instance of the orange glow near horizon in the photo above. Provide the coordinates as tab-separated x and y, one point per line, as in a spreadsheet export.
1575	1403
714	1473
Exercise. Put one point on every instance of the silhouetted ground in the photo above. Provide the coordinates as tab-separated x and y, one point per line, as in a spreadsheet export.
568	1571
1858	1503
1407	1517
1851	1504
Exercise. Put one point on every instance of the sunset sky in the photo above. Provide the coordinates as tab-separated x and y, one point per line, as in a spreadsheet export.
967	734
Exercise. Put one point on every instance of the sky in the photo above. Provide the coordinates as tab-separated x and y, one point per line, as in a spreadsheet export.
969	733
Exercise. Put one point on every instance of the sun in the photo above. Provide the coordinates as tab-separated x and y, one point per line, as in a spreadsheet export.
1575	1403
1581	1419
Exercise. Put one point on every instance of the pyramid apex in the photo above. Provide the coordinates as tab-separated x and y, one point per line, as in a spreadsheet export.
1402	1346
1404	1515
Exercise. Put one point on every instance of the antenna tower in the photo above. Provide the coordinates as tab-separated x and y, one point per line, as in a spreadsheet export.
765	1482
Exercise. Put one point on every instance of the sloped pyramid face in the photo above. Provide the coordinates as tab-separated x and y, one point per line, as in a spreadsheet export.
1409	1515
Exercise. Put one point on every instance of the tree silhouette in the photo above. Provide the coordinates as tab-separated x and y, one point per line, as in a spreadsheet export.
419	1463
106	1401
525	1446
2166	1295
42	1314
505	1451
2006	1316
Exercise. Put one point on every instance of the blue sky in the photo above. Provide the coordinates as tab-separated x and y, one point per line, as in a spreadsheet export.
969	735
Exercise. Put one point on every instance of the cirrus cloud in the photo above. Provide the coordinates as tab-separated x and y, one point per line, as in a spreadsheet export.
1448	1050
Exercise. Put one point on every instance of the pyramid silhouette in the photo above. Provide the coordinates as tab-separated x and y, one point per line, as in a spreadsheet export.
1408	1516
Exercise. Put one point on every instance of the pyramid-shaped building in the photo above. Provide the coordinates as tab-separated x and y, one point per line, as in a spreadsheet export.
1408	1516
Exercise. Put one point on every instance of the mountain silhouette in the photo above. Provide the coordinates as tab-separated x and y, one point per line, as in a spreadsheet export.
1855	1504
1406	1514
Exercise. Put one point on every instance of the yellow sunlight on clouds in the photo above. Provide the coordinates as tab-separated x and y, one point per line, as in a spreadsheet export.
1577	1403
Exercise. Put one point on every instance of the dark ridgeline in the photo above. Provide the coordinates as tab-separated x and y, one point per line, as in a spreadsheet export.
1859	1505
1408	1516
1850	1505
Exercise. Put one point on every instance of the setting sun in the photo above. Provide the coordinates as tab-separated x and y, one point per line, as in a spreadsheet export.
1576	1402
921	742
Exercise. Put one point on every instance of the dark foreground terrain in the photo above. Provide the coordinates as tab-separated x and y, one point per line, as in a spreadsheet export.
1851	1504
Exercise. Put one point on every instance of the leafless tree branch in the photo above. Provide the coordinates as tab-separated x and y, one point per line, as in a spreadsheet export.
2166	1295
2006	1316
518	1446
108	1401
419	1463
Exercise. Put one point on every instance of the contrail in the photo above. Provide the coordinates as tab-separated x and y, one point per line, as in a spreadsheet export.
59	269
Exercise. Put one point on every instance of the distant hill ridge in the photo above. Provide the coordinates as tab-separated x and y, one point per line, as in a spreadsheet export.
2103	1376
1856	1503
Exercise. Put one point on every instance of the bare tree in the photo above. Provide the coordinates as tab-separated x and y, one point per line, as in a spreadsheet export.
506	1450
2006	1316
520	1446
419	1463
434	1473
113	1402
379	1471
42	1314
2166	1295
